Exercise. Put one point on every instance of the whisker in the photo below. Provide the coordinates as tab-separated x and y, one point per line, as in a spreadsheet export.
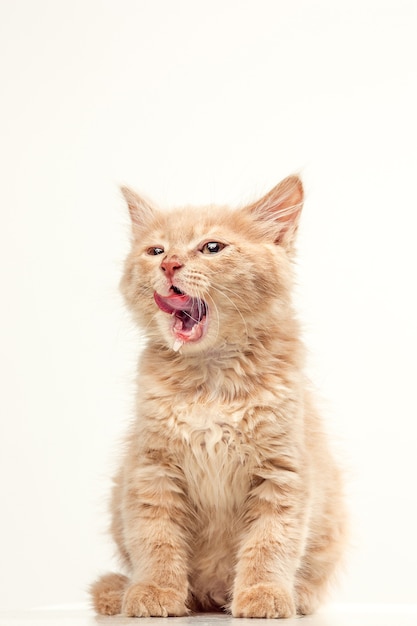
236	307
191	317
235	293
217	315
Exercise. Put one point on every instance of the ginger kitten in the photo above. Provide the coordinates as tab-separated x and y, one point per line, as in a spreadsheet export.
228	496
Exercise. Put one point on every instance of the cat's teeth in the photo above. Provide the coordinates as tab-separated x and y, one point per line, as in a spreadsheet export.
177	345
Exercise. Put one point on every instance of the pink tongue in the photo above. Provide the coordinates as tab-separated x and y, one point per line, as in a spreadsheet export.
174	302
183	331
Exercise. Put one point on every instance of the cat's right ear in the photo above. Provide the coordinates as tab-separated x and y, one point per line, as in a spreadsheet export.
279	211
141	212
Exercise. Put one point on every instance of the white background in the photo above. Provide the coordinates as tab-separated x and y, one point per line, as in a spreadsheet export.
192	101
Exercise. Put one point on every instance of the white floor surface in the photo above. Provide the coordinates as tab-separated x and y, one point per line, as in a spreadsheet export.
333	615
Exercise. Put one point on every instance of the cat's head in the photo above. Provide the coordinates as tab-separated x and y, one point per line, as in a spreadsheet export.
197	278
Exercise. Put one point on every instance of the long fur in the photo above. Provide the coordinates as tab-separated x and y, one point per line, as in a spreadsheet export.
228	496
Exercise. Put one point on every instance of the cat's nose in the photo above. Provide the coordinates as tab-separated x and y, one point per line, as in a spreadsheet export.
170	265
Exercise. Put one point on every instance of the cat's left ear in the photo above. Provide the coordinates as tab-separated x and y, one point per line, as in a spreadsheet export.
279	211
141	211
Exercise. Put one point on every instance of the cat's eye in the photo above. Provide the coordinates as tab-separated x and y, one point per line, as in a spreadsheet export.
154	250
212	247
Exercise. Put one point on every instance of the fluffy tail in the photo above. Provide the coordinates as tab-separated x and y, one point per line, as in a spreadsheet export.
107	593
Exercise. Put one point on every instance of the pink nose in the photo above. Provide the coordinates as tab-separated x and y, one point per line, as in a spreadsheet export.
170	265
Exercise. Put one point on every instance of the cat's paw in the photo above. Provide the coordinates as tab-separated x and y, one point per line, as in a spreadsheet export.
142	600
263	600
107	593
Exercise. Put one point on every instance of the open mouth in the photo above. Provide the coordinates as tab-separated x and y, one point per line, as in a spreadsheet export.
189	315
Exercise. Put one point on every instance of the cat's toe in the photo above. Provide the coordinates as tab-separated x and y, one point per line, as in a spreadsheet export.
142	600
263	600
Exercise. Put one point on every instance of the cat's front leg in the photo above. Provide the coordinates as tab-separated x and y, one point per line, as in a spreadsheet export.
270	551
155	513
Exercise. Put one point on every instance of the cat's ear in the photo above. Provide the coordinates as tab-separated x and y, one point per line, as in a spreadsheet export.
279	211
141	211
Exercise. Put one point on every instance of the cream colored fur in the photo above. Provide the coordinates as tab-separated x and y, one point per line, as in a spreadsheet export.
228	496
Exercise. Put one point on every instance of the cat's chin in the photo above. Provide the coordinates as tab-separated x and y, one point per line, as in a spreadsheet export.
189	317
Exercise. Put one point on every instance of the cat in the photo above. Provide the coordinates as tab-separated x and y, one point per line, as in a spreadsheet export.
228	497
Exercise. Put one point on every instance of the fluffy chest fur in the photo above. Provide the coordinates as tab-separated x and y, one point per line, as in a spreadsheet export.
212	443
219	429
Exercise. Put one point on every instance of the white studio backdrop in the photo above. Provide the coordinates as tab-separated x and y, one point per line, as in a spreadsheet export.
196	102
